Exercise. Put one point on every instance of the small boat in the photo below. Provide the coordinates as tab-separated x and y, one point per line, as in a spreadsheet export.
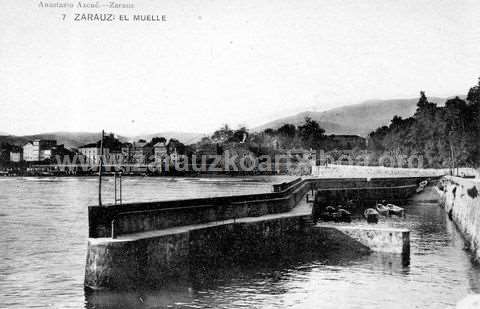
371	215
330	209
383	210
328	214
395	210
342	215
421	186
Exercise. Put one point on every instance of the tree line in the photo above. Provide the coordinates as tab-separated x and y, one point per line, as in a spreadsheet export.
445	136
309	135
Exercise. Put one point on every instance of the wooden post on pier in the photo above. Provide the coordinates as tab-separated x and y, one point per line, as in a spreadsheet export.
115	181
118	178
120	184
100	171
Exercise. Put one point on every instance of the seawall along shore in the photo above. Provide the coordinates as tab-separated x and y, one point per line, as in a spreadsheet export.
461	199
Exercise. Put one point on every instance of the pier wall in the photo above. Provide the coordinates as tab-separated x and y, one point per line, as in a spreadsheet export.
389	240
134	262
113	220
148	243
126	264
461	199
130	263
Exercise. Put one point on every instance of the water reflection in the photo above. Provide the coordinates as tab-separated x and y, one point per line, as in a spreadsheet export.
249	282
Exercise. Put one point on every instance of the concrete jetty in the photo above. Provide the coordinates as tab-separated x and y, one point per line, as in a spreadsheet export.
137	244
379	239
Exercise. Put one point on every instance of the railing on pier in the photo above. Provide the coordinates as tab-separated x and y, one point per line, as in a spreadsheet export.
118	184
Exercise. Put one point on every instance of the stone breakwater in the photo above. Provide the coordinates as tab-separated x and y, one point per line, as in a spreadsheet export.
148	243
114	220
154	259
461	199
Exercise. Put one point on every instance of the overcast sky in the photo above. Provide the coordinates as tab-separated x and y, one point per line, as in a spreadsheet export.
229	61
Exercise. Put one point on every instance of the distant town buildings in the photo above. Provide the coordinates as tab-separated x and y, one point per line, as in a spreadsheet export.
175	149
4	155
41	151
160	152
30	152
127	152
141	151
16	154
38	150
247	151
114	151
93	151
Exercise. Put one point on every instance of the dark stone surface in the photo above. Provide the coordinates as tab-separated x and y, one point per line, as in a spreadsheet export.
155	261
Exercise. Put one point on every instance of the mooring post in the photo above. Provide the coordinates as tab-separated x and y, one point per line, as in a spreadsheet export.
113	229
120	184
115	181
100	171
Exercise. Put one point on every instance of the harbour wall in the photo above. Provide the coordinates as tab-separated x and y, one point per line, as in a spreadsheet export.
461	199
389	240
114	220
153	260
148	243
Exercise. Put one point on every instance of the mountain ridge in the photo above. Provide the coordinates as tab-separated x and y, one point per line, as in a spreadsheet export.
359	119
77	139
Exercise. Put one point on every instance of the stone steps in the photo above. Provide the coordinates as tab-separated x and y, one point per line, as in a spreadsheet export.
307	221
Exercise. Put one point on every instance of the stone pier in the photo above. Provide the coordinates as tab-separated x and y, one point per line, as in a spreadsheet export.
138	244
153	258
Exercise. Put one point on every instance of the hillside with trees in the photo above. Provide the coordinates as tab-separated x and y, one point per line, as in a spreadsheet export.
445	136
357	119
308	135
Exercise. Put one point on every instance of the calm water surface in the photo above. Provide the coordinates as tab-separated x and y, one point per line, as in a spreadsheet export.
43	226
